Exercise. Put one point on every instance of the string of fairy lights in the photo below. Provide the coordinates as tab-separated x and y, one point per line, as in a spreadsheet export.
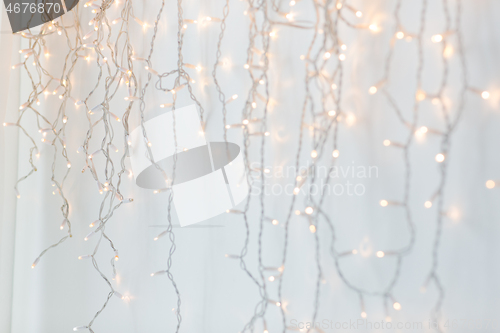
108	48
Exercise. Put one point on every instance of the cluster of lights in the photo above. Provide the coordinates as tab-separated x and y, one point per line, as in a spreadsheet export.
250	126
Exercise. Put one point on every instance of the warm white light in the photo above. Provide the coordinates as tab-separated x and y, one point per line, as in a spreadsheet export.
350	119
363	314
341	57
380	254
359	14
387	143
400	35
309	210
312	228
335	153
448	51
428	204
35	262
373	27
439	158
420	95
485	95
372	90
437	38
454	213
490	184
384	203
396	306
314	154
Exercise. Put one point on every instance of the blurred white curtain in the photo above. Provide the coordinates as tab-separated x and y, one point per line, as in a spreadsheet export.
217	296
9	98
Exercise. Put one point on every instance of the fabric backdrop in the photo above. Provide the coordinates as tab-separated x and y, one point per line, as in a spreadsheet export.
217	296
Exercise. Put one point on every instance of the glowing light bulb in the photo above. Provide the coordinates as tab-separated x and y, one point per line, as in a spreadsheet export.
372	90
380	254
384	203
363	314
341	57
35	263
296	190
485	95
359	14
439	158
350	119
428	204
388	319
309	210
314	154
335	153
312	228
448	51
396	306
292	3
423	130
271	278
420	95
274	222
437	38
373	27
387	143
400	35
490	184
327	55
454	213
